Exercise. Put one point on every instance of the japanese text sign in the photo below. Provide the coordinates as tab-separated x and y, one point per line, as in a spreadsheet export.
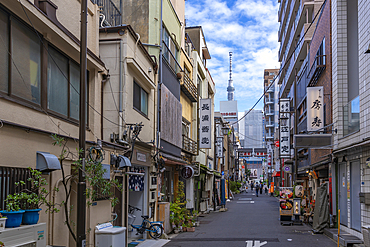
219	147
315	108
205	123
284	128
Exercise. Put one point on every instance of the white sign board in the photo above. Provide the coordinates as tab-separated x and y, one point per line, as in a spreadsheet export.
284	128
315	108
219	147
205	123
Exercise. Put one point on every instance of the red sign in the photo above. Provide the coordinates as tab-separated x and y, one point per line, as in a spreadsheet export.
277	144
243	167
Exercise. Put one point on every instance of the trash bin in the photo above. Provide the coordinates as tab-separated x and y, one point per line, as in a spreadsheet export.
366	235
107	235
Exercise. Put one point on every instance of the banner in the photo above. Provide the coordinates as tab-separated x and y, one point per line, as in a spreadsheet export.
315	108
205	123
284	128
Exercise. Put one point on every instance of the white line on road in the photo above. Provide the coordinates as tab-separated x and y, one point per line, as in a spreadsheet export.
257	243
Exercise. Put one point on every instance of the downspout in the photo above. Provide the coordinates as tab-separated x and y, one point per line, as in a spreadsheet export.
120	127
159	97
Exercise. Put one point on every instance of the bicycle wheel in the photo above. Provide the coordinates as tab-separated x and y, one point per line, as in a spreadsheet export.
156	231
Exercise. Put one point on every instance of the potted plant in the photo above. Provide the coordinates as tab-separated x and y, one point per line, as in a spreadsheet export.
32	199
13	212
2	222
179	214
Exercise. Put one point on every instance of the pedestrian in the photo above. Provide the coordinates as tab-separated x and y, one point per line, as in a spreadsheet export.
257	189
261	188
265	187
252	185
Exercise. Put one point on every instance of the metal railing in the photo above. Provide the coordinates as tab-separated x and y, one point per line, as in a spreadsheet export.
318	66
171	59
110	14
188	87
189	145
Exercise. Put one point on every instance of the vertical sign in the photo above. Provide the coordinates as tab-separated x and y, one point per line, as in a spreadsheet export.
219	147
205	123
284	128
315	111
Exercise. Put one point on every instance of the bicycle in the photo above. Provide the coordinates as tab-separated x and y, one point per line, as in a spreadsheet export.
155	229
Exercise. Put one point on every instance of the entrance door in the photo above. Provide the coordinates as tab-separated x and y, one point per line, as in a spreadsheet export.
118	206
342	180
355	198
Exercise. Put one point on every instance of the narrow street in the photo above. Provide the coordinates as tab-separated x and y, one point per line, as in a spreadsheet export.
249	218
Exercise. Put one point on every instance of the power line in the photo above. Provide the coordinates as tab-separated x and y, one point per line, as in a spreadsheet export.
69	83
286	63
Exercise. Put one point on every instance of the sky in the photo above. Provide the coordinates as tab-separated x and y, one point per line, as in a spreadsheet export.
249	29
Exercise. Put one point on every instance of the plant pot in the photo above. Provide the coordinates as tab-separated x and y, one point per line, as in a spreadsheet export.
14	218
184	229
191	229
2	223
31	216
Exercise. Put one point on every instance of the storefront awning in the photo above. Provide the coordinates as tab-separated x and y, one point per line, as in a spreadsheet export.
276	174
173	160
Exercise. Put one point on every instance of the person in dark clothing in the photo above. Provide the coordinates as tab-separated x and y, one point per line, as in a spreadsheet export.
257	188
252	185
261	187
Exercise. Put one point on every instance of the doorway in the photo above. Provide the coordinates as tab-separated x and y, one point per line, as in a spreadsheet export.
355	198
342	180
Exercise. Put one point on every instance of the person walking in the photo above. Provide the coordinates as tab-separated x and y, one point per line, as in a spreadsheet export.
265	188
261	188
257	189
252	185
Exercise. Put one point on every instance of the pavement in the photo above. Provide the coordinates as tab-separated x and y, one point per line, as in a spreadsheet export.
250	221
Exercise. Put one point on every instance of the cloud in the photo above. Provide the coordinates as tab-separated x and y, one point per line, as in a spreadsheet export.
249	29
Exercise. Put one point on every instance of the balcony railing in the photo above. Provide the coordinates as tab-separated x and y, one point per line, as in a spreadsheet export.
317	68
189	145
188	87
111	16
170	58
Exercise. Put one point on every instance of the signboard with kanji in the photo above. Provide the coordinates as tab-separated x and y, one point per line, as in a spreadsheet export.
219	147
284	128
315	108
205	123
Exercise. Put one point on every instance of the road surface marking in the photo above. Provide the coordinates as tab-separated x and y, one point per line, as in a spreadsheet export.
257	243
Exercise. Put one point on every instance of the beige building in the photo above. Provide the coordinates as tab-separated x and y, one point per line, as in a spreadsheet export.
39	96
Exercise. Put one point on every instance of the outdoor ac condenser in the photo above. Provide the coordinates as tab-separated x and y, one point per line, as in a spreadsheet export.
24	236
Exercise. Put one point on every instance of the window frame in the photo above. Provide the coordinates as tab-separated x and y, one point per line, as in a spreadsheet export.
133	99
44	55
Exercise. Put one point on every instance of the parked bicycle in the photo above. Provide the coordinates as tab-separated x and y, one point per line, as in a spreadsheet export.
155	229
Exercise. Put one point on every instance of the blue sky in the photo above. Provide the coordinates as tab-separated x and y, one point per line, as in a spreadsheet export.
249	29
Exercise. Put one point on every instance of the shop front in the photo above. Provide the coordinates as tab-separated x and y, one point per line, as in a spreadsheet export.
138	188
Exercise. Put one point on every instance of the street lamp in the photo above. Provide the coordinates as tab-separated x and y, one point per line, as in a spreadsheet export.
225	130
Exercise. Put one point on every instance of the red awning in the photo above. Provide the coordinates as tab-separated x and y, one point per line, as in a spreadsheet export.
276	174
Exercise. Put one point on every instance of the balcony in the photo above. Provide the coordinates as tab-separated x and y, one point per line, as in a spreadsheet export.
269	137
270	113
270	124
317	68
188	87
351	116
110	14
189	145
269	101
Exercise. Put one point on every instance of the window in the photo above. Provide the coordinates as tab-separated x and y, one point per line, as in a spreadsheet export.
8	177
26	62
4	46
170	50
185	127
21	78
140	99
272	73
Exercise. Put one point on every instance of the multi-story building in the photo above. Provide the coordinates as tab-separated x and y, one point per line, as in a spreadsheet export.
350	97
253	130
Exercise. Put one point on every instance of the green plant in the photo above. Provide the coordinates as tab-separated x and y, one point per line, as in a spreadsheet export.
180	215
12	202
234	186
2	244
96	184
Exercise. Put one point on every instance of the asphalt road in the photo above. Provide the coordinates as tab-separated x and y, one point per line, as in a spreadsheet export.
249	218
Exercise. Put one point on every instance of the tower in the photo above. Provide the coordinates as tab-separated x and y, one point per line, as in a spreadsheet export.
230	88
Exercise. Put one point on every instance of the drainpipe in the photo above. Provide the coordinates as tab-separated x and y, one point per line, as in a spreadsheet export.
159	98
120	128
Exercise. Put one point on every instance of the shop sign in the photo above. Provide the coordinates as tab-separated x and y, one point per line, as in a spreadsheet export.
219	147
284	128
287	168
205	123
368	163
299	190
140	157
315	108
187	172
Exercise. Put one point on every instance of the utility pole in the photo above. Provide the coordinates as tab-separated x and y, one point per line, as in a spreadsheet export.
81	187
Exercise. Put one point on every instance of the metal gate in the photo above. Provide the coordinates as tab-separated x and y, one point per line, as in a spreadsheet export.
355	198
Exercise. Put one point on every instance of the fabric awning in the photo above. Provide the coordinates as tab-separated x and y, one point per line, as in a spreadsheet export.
276	174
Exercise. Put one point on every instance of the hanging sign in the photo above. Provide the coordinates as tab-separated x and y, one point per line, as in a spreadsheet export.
315	108
205	123
187	172
219	147
284	128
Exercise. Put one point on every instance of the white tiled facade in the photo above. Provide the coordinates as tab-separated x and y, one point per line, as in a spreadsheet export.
354	146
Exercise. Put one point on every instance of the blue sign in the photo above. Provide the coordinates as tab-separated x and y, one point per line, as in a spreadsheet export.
222	173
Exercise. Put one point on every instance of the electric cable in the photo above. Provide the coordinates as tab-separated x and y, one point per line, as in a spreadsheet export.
69	83
286	63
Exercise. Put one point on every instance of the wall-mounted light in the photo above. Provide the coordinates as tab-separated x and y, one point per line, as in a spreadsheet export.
368	50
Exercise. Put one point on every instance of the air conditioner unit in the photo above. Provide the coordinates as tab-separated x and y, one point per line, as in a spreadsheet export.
25	236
